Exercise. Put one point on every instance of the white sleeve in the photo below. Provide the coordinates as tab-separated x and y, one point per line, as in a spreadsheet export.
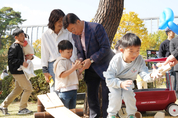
44	52
143	72
110	75
61	67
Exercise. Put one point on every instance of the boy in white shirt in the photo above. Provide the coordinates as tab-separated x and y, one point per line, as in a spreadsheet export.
66	77
122	70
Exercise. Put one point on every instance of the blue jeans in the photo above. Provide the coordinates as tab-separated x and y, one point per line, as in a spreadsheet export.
50	69
68	98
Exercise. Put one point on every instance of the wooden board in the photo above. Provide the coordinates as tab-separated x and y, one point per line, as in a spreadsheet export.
55	107
51	100
62	112
159	115
55	99
45	101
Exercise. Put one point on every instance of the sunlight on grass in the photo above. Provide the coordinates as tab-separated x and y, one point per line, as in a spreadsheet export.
13	110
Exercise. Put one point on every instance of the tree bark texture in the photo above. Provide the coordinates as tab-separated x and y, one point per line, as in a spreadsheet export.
109	14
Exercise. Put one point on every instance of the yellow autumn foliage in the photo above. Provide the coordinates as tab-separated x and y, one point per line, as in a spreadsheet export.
130	22
37	47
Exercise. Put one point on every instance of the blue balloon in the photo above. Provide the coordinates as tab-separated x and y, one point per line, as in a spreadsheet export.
166	16
162	21
173	27
169	14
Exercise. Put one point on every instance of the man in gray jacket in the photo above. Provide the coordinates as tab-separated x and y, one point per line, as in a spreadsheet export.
173	46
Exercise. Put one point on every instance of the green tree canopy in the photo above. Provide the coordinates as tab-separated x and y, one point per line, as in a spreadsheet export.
153	41
9	19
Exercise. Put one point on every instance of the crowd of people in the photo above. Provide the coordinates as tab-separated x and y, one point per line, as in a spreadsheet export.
71	46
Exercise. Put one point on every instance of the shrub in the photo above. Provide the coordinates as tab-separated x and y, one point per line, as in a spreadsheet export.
7	85
40	86
82	86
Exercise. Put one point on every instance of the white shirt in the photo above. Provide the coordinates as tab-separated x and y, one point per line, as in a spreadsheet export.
49	45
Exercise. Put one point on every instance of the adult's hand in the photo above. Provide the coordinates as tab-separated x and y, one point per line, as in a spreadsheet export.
86	64
171	60
47	75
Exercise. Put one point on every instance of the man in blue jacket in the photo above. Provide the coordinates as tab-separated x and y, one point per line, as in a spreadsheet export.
93	48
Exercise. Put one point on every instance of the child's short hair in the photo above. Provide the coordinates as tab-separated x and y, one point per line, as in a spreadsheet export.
128	40
117	45
65	45
17	31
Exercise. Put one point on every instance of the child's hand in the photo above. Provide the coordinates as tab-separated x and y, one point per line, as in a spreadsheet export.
19	42
126	84
77	64
16	41
155	74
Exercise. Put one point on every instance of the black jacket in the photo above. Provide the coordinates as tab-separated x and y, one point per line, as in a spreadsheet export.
164	49
15	58
174	50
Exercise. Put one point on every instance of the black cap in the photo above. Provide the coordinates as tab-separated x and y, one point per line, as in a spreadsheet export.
167	29
17	31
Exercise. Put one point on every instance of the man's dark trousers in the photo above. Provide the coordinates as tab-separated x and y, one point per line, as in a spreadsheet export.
93	81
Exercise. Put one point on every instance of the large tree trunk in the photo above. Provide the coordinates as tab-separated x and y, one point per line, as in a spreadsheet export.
109	14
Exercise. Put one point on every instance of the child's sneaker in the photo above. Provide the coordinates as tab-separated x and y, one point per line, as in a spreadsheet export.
131	116
24	111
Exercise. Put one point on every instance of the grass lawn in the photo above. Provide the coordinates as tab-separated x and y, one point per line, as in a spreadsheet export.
14	107
13	110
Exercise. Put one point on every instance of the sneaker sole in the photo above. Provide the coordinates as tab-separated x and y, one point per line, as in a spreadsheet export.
24	113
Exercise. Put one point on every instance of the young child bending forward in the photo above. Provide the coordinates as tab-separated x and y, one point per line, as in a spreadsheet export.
122	70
